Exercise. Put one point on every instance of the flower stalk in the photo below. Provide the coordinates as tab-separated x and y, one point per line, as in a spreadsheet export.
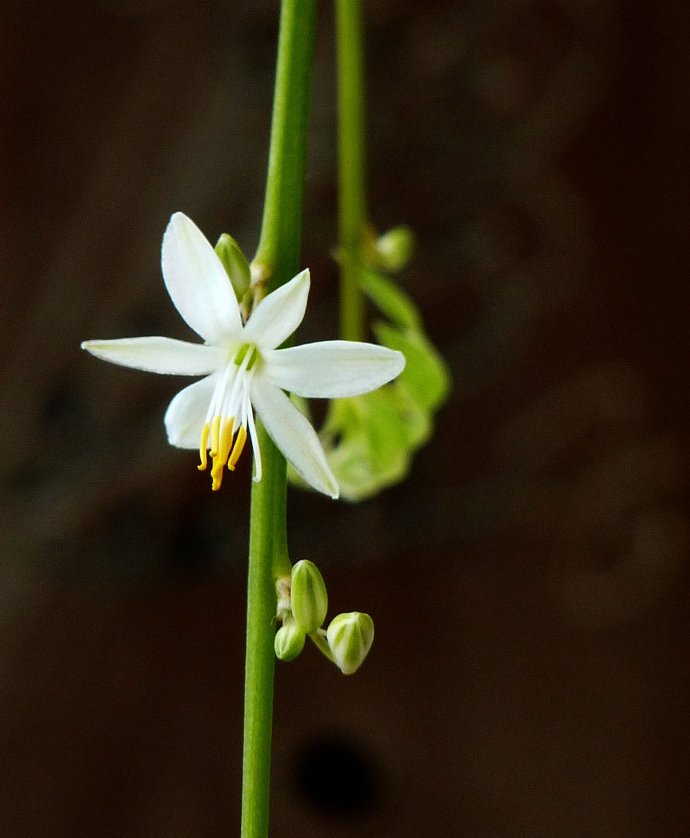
276	260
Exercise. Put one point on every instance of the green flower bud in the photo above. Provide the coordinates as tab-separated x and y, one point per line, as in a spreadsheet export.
288	642
309	596
235	264
349	638
394	249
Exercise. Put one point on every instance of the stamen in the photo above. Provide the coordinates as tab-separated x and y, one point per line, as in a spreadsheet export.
220	456
215	434
238	447
203	443
255	444
216	475
229	421
226	440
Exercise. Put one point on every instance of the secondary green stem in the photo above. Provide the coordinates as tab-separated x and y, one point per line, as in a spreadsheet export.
351	163
275	262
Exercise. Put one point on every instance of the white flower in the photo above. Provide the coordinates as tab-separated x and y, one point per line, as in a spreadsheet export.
243	368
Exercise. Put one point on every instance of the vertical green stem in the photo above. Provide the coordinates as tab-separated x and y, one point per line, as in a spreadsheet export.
275	262
267	549
279	242
351	163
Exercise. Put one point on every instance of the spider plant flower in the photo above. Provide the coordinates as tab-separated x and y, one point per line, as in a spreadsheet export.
244	370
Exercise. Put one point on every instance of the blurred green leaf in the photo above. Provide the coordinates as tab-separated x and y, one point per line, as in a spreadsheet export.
366	443
389	298
425	376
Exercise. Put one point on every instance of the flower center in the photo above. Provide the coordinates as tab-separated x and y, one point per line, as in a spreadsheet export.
229	418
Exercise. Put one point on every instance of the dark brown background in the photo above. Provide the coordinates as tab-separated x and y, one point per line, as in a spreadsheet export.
529	581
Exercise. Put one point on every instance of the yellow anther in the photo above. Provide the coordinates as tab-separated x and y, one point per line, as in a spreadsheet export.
225	441
216	476
222	450
203	444
237	449
215	434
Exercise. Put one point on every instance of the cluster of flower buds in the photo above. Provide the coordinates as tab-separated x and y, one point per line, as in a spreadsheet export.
302	607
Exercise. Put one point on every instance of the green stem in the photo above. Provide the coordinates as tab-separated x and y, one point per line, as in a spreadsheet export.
351	163
267	552
279	242
275	262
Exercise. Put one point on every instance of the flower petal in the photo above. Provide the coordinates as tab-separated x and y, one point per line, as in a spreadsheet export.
332	369
154	354
294	435
277	316
197	282
186	413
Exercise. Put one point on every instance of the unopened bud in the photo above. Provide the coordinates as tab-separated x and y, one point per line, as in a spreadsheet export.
349	638
235	264
288	642
394	249
309	596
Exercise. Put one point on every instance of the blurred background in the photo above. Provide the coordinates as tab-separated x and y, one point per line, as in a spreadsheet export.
528	582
